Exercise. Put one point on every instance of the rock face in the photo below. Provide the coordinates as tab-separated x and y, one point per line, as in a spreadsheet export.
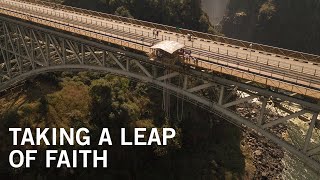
265	155
291	24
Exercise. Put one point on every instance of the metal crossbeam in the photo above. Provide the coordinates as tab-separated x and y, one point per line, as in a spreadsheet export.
239	101
262	111
313	151
309	133
117	61
51	51
168	76
142	68
221	96
290	112
201	87
286	118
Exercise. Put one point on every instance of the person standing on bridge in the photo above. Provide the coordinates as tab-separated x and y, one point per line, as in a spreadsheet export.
189	37
154	33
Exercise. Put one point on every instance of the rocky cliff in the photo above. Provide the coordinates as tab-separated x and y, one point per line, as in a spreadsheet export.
292	24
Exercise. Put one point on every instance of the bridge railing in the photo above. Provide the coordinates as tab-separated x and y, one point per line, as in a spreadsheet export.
250	58
57	20
101	25
285	53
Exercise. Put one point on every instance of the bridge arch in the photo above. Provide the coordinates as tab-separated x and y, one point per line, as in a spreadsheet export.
28	50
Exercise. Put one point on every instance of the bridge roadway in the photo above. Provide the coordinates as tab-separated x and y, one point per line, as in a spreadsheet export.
270	69
38	38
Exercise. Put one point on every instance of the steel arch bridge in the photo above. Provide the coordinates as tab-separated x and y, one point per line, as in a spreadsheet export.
28	50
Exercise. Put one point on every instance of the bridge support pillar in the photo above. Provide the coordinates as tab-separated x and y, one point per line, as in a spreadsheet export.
154	71
185	82
310	130
41	53
221	97
127	65
263	109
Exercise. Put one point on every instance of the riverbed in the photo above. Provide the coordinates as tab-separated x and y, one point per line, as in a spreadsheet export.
292	167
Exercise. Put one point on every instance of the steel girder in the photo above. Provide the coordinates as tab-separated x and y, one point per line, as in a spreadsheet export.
28	50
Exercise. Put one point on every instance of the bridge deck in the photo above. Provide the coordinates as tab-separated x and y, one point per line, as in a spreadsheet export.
267	68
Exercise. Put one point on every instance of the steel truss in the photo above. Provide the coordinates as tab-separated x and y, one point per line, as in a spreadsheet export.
28	50
221	39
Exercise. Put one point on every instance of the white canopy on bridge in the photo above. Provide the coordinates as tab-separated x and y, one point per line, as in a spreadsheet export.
168	46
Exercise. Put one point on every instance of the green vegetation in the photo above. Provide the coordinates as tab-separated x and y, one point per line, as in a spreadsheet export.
96	101
184	13
292	24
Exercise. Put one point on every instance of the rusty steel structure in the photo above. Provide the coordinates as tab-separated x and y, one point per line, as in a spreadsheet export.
31	45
